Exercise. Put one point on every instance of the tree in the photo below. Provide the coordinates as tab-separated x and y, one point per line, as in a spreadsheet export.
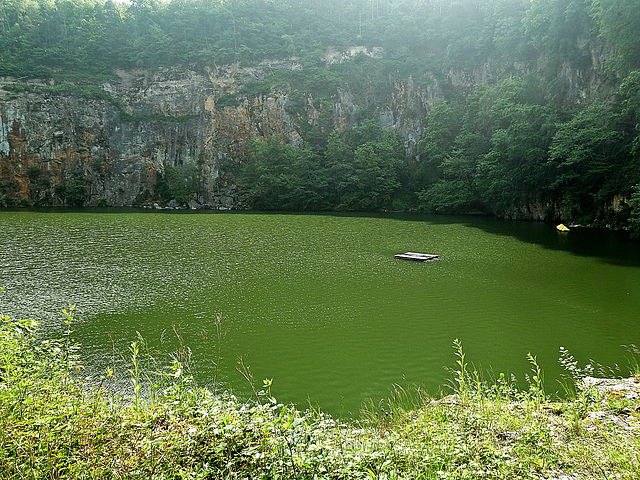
629	106
555	27
510	173
436	143
586	158
339	164
374	177
520	128
280	177
619	22
178	183
634	220
455	191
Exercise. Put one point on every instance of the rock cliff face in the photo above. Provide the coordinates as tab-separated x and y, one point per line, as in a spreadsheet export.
50	142
63	147
60	148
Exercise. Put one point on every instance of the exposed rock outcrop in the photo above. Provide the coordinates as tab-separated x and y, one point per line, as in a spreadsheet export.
617	387
114	149
77	147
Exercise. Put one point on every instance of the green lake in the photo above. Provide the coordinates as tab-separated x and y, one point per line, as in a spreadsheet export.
318	302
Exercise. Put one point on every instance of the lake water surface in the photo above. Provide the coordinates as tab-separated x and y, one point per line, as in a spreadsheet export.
317	302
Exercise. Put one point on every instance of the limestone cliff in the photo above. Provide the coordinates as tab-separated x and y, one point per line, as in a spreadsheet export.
161	119
73	147
60	147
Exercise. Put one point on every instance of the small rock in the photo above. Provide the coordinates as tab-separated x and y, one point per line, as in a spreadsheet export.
599	416
450	400
626	387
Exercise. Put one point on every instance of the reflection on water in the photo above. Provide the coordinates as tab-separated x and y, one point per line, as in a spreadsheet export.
317	301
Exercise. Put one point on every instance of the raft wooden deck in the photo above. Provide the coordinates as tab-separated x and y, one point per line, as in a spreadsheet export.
419	257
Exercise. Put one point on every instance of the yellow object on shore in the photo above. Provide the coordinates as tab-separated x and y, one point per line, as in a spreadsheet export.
562	228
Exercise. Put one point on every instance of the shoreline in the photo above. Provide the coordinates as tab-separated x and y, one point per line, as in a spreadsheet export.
55	427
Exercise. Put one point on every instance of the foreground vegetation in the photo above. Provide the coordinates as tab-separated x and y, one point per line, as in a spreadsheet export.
54	426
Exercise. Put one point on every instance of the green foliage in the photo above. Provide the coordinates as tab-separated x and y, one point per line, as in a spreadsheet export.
634	221
629	109
587	155
509	146
634	360
55	424
34	173
44	39
373	177
510	172
618	23
363	175
447	197
556	27
84	91
257	88
536	381
338	158
437	191
18	88
75	191
180	183
227	101
492	149
499	148
284	178
368	132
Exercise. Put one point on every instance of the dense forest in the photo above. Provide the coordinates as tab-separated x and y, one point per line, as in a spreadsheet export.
523	138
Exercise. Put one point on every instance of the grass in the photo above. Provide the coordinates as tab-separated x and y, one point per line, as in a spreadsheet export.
54	426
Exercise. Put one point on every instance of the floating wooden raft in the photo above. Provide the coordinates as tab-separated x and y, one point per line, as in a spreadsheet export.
420	257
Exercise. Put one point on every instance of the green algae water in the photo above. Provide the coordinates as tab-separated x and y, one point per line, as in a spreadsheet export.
317	302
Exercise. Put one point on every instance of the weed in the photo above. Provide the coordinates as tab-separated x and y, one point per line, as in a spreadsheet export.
571	366
634	360
461	375
536	381
53	427
135	374
572	380
220	334
245	371
395	408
